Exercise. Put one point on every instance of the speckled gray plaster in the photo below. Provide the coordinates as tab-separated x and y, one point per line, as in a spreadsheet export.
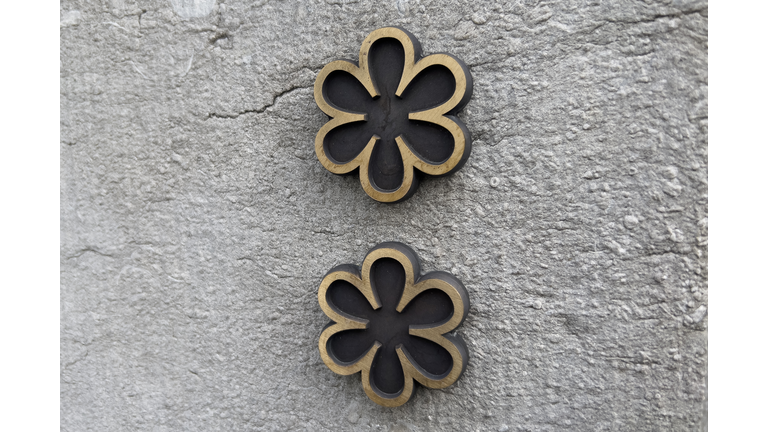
196	222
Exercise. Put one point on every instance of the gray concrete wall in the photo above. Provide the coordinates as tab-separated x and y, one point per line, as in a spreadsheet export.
196	221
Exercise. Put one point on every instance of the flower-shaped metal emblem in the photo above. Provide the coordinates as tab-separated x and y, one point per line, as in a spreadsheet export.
390	323
393	115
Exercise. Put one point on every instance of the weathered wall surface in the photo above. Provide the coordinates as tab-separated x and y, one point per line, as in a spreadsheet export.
196	222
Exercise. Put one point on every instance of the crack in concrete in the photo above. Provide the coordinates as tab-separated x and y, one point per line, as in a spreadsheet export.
83	251
257	110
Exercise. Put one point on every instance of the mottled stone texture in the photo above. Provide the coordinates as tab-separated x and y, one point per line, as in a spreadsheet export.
196	222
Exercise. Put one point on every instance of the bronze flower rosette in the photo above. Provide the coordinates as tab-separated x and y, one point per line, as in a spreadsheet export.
391	324
393	115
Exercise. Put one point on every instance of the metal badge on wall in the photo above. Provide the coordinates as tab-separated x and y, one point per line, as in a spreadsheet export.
393	115
390	323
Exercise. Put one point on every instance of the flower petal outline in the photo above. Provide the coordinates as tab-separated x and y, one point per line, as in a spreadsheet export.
441	115
360	278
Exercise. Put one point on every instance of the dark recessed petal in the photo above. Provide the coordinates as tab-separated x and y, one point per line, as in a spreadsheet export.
431	88
346	93
429	356
431	142
386	60
343	296
388	281
386	371
432	306
348	346
344	143
386	165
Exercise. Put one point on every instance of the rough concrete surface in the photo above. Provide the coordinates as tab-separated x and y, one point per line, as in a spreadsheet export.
197	223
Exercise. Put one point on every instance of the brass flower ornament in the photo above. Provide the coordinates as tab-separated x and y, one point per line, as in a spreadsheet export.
393	115
391	324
